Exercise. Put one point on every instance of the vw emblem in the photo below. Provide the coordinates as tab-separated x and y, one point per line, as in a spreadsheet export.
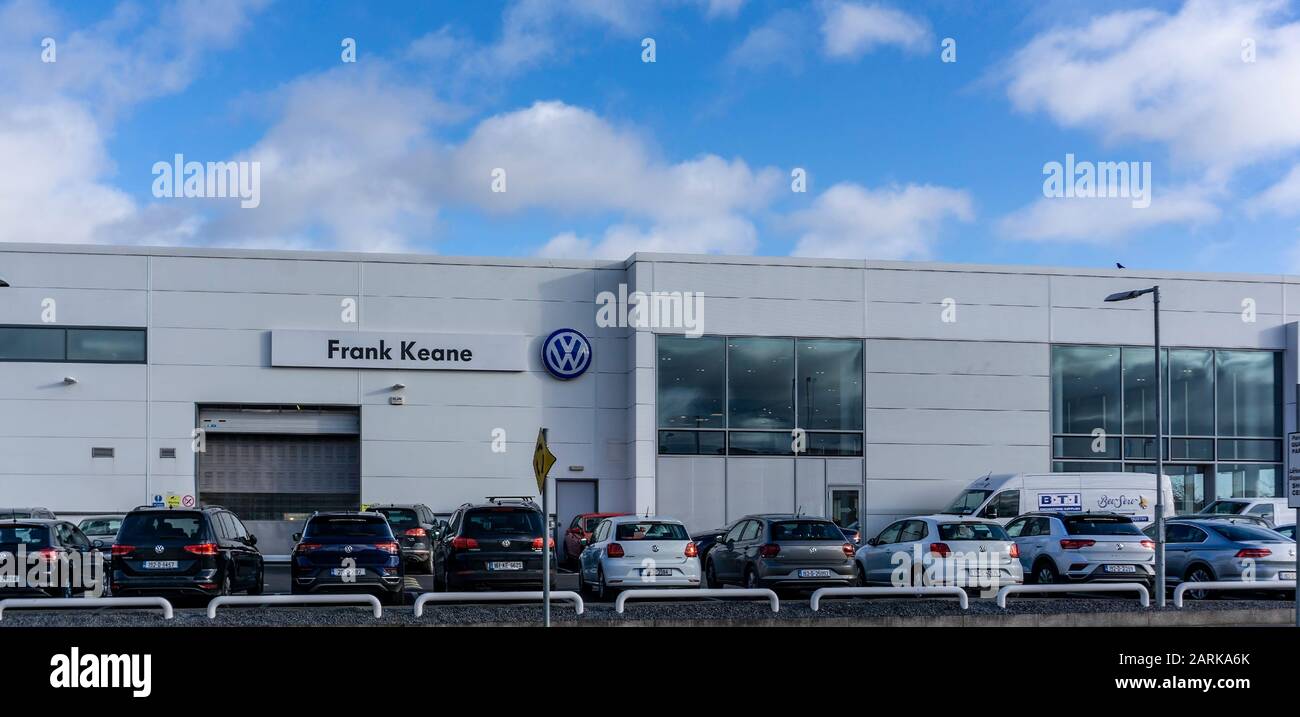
1120	546
566	354
347	548
158	549
983	549
654	548
505	543
812	550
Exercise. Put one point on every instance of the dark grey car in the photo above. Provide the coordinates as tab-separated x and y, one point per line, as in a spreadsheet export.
1216	550
780	551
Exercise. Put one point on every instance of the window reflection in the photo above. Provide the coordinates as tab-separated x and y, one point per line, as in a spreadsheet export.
1248	382
1085	389
760	391
692	380
830	384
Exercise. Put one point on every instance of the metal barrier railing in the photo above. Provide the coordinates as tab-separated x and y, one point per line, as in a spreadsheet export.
85	602
929	591
362	600
693	593
1234	585
519	596
1144	595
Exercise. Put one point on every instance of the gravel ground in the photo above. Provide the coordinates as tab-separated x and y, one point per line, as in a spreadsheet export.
712	611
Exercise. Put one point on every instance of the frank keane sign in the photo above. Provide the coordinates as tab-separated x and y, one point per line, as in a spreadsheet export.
436	352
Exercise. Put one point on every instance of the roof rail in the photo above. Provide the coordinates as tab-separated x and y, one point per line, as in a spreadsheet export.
500	499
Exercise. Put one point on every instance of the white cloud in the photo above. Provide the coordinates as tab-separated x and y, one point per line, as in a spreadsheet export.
1102	220
722	8
851	30
778	42
851	221
1177	79
1282	198
723	234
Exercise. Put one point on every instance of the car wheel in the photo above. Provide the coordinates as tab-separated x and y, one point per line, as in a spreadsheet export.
603	591
1198	574
1045	573
257	586
225	584
711	576
859	575
751	578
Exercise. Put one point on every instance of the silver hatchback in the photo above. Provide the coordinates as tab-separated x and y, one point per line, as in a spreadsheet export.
638	552
1083	547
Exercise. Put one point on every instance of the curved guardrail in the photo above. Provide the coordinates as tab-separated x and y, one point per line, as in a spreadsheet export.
927	591
85	603
361	600
518	596
1144	595
1234	585
695	594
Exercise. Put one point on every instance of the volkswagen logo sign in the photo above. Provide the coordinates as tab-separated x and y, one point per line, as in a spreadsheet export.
347	548
505	543
654	548
566	354
812	550
158	549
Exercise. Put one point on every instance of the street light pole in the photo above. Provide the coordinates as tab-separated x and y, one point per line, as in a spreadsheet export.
1160	438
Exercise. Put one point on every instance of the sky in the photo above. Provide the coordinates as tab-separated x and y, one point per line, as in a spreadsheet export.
924	130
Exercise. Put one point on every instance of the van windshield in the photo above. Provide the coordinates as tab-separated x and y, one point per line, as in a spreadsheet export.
1226	507
968	501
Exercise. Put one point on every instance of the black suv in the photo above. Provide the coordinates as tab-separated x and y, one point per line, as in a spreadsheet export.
204	551
493	544
51	540
415	528
348	552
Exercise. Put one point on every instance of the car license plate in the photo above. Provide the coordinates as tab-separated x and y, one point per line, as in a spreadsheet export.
1286	576
1120	568
657	572
347	571
8	580
814	573
160	565
506	565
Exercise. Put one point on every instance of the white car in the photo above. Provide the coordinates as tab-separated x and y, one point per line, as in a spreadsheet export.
638	552
941	550
1274	510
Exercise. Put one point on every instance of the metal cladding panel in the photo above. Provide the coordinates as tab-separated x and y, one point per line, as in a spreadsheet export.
309	422
693	490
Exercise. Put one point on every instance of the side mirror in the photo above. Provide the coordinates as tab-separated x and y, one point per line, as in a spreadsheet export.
252	539
873	541
297	537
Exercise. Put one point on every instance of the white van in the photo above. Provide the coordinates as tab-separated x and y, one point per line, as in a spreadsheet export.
1274	510
1002	497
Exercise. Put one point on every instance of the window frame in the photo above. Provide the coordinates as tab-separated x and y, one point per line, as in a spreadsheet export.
143	330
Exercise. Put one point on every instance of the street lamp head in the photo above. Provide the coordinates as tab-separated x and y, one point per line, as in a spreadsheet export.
3	283
1126	295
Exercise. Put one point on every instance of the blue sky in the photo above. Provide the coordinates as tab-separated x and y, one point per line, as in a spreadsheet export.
907	156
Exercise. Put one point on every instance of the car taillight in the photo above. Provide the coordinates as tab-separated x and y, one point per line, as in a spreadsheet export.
1148	544
692	551
614	550
770	550
940	549
1015	551
464	543
121	551
1254	553
848	549
1072	544
307	547
537	543
416	533
49	554
390	547
202	549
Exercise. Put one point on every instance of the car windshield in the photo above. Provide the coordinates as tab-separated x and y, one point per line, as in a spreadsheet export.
806	530
100	526
347	527
651	531
968	501
1242	533
1101	526
1226	507
971	531
33	536
494	522
400	518
590	524
160	526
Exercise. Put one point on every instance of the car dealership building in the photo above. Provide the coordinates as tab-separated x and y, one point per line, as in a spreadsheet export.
278	383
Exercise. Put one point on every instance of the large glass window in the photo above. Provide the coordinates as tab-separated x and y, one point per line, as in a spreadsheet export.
83	345
692	382
745	395
1223	417
760	383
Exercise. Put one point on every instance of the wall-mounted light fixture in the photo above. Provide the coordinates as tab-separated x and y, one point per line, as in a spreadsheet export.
69	380
3	283
398	386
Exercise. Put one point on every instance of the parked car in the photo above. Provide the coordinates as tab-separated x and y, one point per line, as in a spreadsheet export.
1232	518
952	550
1270	509
1198	550
101	528
205	551
347	552
493	545
705	540
1002	497
578	534
640	552
52	540
416	529
1083	547
21	513
781	551
851	533
1287	530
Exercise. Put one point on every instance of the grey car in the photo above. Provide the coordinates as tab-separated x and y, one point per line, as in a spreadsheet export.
101	528
780	551
1057	547
1217	550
